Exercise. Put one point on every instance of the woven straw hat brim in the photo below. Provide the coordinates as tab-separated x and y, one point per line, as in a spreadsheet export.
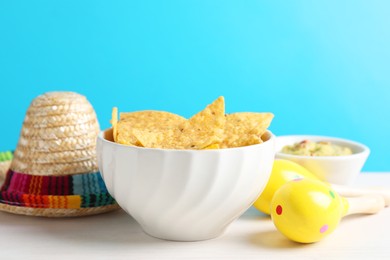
56	157
58	98
58	213
58	120
88	130
59	131
57	169
58	145
60	109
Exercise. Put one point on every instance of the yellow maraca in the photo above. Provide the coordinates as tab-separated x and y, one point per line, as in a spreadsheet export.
284	171
307	210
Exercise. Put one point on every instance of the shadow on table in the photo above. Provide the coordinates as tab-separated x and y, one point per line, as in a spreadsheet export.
274	239
253	213
269	238
113	228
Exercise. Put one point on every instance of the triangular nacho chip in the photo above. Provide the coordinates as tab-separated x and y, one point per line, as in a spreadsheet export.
114	123
146	121
206	127
245	128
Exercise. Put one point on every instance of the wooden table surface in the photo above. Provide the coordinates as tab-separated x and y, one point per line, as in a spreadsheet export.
116	235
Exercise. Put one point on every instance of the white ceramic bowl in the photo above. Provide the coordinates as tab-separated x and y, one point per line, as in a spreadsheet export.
333	169
184	195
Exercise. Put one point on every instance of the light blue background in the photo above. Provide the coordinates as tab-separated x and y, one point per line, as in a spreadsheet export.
322	67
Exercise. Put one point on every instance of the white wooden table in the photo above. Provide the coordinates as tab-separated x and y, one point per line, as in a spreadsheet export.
117	236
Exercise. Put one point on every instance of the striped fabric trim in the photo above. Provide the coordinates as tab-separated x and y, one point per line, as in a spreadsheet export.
69	192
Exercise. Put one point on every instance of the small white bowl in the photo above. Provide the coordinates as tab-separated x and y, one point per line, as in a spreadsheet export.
333	169
184	195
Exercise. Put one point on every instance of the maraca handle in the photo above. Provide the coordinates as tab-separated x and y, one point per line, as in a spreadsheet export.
354	192
366	204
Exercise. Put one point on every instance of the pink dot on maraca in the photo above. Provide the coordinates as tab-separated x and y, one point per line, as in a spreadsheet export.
324	228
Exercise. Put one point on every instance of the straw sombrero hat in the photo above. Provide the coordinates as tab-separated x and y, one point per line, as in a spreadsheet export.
53	171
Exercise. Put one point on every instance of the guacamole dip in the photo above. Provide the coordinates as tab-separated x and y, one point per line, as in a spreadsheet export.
310	148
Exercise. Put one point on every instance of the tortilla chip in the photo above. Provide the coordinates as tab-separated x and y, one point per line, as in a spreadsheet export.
151	117
245	128
243	140
212	147
202	130
148	122
148	139
114	123
206	127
